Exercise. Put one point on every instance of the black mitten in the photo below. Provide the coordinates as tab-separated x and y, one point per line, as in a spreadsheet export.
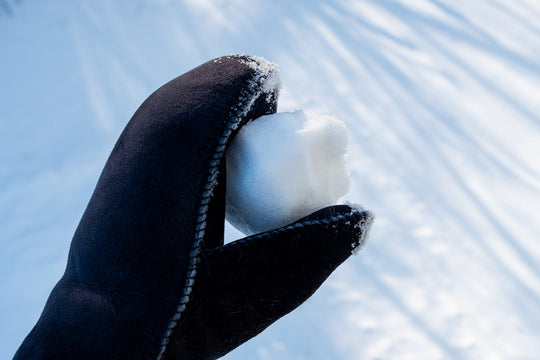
148	276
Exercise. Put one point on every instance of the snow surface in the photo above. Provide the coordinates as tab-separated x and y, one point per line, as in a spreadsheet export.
283	167
441	99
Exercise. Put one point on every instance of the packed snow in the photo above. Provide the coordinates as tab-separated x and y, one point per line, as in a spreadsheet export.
283	167
441	102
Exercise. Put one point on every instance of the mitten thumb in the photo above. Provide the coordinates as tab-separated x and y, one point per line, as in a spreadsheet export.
245	286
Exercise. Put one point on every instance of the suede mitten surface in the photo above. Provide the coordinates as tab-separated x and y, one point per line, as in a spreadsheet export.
148	276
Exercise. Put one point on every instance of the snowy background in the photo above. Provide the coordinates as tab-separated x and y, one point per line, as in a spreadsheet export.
443	102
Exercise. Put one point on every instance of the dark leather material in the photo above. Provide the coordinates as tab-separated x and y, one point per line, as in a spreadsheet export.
245	286
148	276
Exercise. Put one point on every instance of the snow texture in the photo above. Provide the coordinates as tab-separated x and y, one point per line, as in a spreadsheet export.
285	166
270	71
441	102
364	226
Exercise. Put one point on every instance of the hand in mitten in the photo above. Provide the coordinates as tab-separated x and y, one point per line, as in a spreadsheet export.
148	276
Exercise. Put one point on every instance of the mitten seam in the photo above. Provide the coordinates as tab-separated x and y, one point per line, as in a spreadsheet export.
365	220
264	71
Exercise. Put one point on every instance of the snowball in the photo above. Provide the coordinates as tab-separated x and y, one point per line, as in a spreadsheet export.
285	166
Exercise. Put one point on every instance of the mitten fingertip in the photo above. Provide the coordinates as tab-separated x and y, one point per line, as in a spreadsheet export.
362	228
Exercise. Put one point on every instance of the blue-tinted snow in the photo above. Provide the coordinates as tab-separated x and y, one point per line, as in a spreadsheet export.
442	101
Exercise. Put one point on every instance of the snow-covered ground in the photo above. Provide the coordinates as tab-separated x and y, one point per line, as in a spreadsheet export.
443	101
